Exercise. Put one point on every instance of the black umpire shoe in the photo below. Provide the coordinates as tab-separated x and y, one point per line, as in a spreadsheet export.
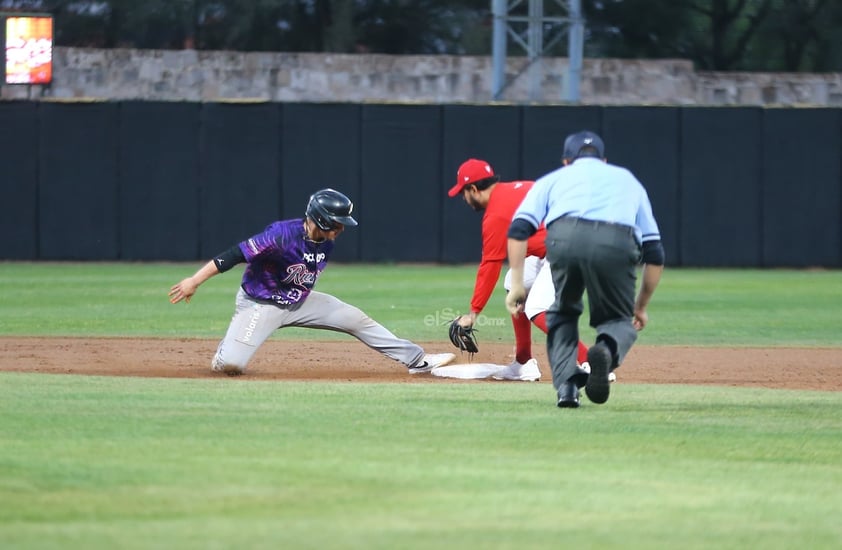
598	385
568	396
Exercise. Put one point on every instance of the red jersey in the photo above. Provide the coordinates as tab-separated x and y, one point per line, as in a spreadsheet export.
504	200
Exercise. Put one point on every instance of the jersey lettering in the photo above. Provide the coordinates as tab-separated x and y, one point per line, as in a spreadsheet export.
310	257
300	276
292	296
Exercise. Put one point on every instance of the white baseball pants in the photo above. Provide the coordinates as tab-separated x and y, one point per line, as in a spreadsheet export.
254	321
538	281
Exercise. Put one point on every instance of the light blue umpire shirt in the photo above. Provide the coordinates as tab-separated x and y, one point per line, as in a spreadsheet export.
591	189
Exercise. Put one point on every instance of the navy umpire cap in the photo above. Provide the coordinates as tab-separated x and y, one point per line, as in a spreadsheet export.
585	139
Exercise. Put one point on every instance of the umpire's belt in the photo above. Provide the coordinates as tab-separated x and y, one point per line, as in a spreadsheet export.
595	224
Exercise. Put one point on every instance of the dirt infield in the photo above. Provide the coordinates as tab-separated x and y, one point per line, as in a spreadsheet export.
807	369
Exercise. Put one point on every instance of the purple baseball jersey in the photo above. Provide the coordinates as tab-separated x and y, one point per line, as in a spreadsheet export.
283	264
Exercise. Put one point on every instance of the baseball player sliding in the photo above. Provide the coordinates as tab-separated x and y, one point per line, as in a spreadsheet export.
283	264
482	189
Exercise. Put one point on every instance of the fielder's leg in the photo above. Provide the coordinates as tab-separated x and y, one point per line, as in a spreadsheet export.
520	323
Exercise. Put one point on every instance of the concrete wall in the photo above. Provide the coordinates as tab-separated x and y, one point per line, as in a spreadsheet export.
189	75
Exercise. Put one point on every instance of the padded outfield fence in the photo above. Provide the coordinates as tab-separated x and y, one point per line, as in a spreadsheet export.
731	187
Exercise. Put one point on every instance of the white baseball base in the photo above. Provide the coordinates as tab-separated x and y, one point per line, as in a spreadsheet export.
479	371
468	371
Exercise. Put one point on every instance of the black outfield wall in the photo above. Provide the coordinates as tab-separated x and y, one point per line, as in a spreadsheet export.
730	187
19	228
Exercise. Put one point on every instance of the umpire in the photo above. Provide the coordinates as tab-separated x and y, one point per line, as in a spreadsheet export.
599	228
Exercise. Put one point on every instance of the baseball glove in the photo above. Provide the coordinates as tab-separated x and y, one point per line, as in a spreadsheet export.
463	338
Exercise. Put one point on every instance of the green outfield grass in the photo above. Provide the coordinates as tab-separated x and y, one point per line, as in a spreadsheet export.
94	462
691	307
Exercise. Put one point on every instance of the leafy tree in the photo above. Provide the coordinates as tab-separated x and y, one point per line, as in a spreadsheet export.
771	35
723	43
826	55
800	33
715	34
414	26
636	28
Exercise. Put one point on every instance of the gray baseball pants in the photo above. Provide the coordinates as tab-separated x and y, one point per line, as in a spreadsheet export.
255	320
601	258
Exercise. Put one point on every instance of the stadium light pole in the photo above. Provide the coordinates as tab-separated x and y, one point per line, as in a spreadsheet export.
499	10
535	45
575	43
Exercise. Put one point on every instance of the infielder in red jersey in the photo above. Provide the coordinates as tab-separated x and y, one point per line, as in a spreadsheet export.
482	189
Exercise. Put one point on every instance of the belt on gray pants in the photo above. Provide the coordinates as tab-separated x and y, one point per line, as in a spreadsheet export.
568	220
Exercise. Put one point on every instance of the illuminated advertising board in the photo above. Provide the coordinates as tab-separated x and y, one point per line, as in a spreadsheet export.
29	50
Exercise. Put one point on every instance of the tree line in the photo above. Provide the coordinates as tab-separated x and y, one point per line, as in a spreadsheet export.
722	35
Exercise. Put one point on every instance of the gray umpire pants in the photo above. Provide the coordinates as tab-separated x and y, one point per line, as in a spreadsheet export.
254	321
601	258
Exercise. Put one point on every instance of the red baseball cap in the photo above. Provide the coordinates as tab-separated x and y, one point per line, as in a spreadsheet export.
471	171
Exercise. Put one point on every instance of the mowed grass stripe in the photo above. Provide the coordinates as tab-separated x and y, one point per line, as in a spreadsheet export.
89	461
695	307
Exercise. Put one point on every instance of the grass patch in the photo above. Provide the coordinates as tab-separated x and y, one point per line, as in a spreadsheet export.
92	462
691	307
89	462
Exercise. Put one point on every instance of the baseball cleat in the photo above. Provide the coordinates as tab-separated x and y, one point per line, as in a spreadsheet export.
598	386
568	396
230	370
587	368
217	365
431	361
527	372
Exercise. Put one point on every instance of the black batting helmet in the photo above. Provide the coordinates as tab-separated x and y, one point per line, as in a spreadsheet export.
329	207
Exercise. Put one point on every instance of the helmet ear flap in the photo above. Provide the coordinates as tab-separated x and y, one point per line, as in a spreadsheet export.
316	212
329	207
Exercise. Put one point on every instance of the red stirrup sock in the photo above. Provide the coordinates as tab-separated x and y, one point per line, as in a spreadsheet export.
540	321
523	338
582	356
